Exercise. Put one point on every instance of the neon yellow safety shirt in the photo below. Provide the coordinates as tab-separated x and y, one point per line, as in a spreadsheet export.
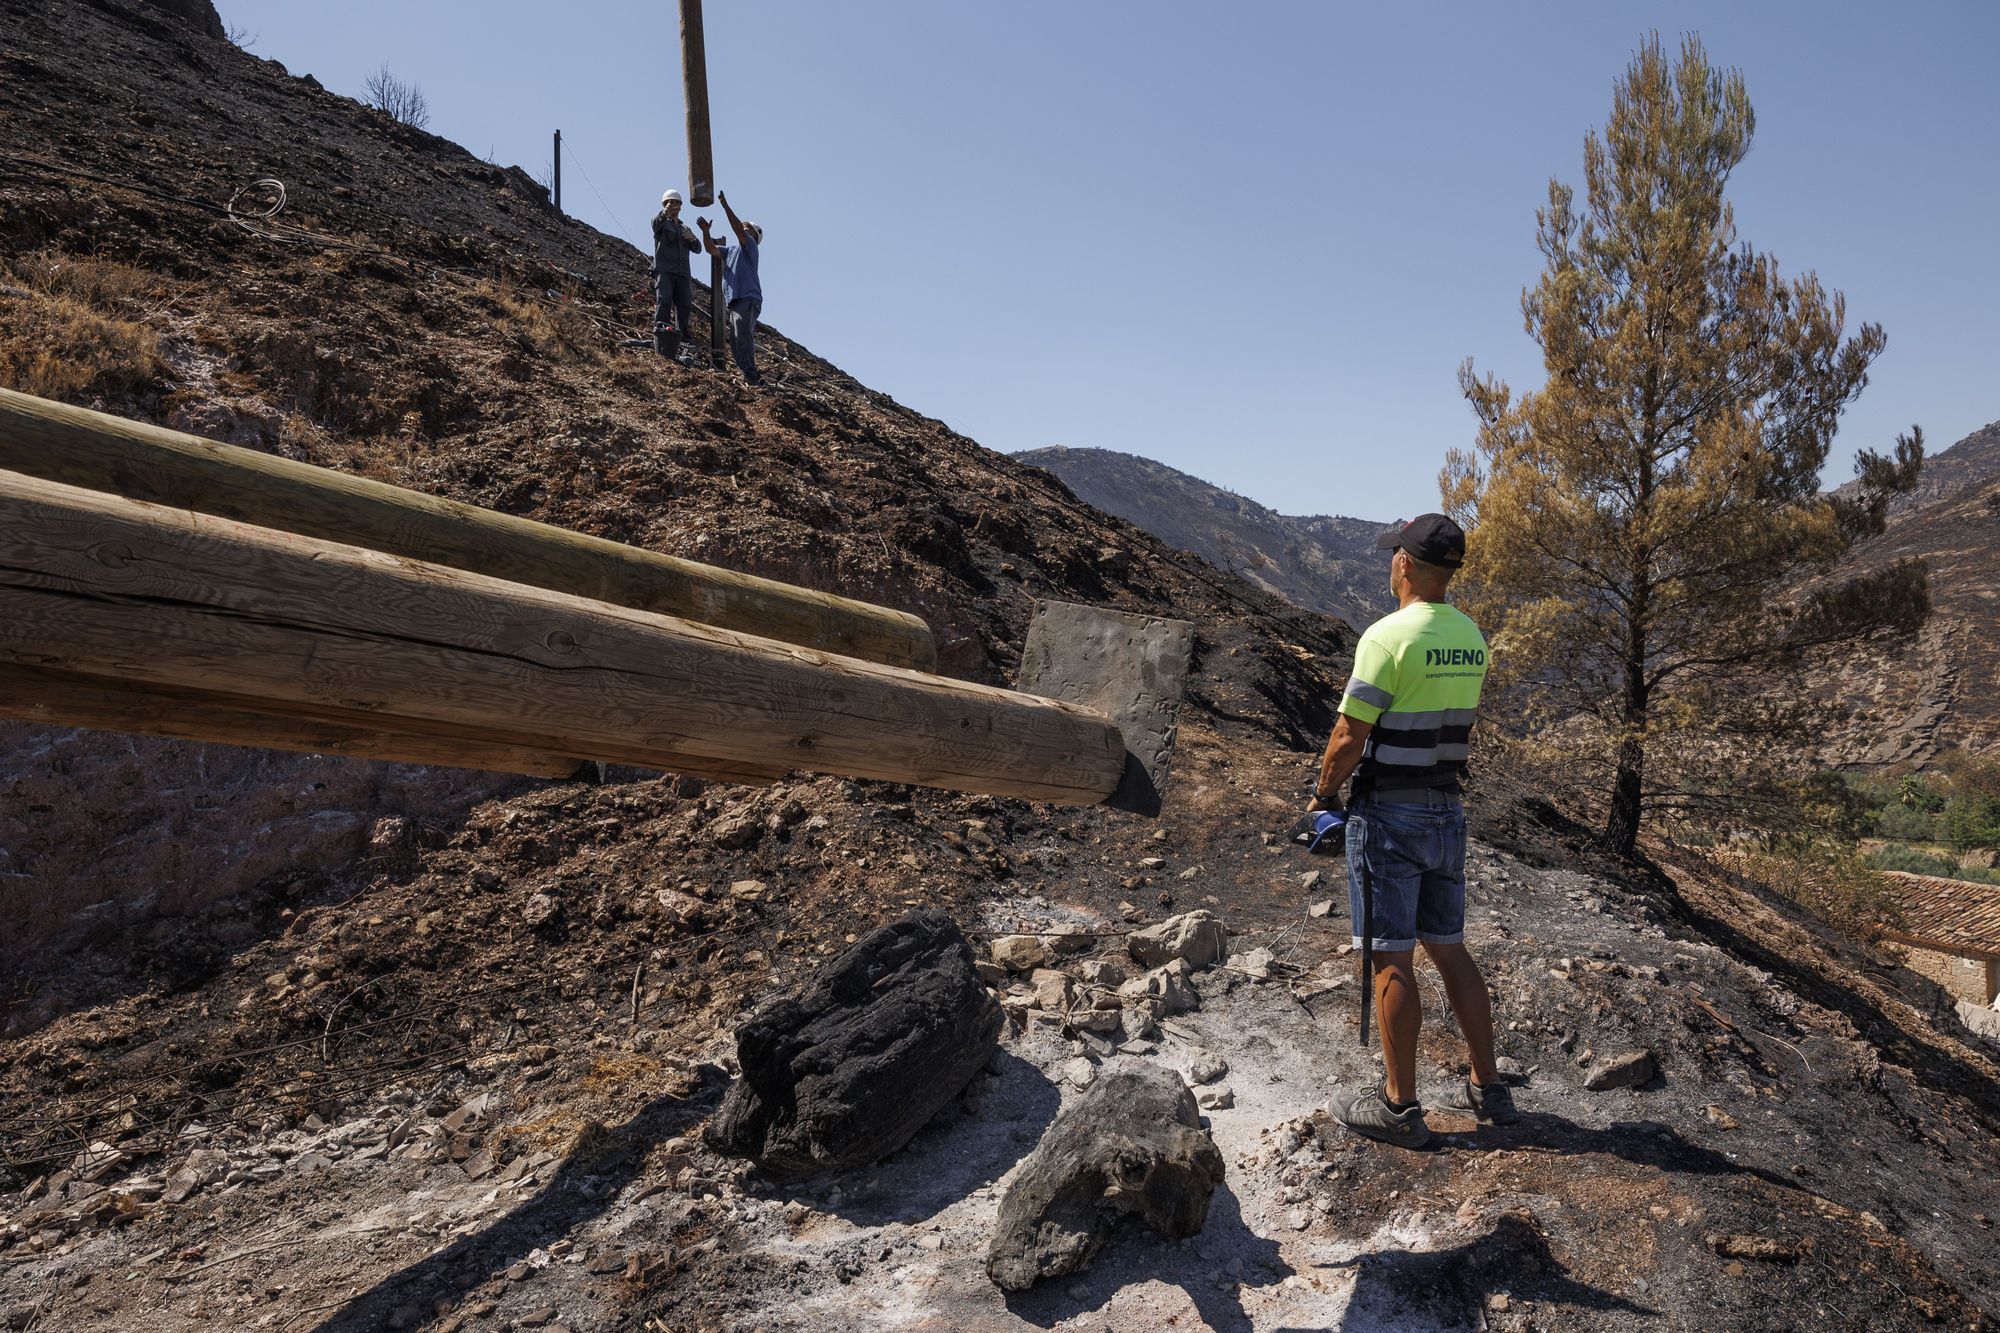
1417	678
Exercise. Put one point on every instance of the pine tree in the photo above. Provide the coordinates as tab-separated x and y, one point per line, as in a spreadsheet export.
1641	521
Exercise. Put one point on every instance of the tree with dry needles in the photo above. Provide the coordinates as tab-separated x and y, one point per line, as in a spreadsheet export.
1644	522
402	101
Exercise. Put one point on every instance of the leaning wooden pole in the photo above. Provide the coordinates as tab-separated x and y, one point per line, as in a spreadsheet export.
79	447
100	586
30	694
55	698
694	79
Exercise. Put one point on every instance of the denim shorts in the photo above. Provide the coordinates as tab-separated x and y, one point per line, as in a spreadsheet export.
1415	857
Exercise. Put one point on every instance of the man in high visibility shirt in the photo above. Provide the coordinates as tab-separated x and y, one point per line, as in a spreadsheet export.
1404	732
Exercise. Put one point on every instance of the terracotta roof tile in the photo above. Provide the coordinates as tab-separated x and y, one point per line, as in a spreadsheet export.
1954	914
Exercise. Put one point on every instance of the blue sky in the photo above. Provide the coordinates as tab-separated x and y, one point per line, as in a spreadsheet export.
1252	240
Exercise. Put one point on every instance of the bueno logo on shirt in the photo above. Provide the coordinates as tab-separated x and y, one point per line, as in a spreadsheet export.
1454	657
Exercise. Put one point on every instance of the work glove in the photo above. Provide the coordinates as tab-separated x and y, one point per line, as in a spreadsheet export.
1321	832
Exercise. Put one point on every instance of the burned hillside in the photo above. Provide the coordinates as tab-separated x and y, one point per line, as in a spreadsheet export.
340	1045
422	317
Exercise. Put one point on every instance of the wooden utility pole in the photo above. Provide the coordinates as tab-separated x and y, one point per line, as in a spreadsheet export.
718	314
694	79
79	447
558	171
103	587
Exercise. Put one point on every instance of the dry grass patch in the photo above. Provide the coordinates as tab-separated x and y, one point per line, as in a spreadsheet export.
541	325
78	329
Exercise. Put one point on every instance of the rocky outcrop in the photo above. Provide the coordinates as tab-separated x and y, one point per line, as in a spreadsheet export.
1131	1146
847	1071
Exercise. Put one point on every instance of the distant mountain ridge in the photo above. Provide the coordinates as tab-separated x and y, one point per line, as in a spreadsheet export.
1320	562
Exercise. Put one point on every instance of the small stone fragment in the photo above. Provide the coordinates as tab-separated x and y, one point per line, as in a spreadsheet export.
1068	939
1019	953
738	829
1167	985
1140	1021
1197	938
1215	1099
1207	1067
1629	1069
1053	990
1101	972
1257	963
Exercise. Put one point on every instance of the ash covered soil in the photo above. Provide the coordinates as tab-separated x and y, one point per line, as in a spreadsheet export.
474	1096
414	1050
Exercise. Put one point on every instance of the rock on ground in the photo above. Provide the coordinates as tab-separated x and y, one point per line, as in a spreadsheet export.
1631	1069
1020	953
883	1037
1197	936
1132	1145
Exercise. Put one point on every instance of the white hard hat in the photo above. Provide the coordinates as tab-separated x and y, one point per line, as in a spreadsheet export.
756	232
670	197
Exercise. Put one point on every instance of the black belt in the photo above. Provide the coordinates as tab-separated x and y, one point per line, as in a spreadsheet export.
1415	796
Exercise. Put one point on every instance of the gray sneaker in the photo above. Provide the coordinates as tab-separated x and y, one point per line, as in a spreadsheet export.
1491	1102
1371	1115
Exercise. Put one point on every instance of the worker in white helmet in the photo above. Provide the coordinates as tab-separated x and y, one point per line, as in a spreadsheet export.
673	285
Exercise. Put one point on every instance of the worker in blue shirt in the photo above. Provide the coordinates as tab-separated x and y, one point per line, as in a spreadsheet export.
739	279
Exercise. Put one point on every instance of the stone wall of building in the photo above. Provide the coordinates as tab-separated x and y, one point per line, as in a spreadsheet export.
1968	979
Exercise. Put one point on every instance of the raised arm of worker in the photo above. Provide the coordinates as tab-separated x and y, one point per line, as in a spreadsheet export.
708	240
1343	753
735	223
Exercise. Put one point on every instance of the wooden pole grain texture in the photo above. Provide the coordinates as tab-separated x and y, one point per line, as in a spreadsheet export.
98	585
694	82
79	447
52	698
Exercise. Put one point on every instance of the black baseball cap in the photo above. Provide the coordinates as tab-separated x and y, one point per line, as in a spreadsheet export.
1431	538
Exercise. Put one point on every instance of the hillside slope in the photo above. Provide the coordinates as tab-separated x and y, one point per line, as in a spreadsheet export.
1322	563
419	1050
1970	463
1908	705
421	316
